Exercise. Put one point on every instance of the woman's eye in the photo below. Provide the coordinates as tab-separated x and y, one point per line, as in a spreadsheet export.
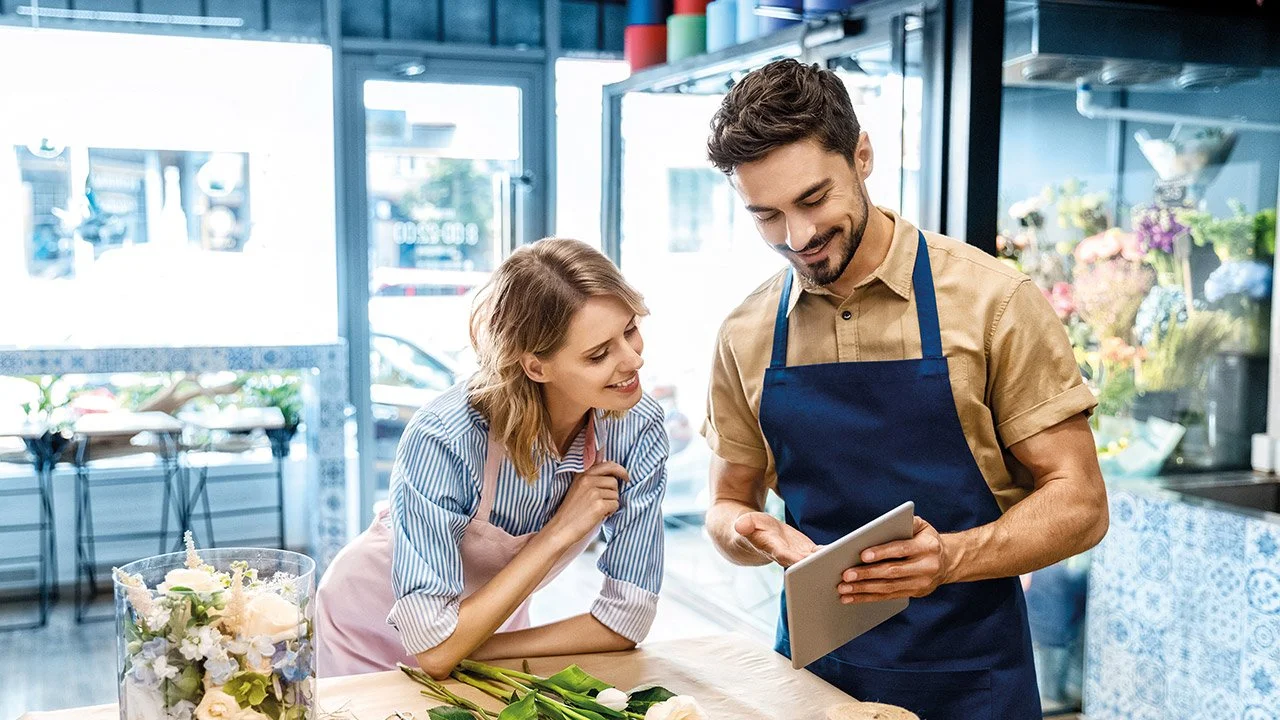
598	358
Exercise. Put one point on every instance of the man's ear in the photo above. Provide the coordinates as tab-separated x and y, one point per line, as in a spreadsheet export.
864	158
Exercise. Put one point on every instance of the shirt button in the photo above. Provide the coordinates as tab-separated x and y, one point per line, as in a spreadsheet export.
846	314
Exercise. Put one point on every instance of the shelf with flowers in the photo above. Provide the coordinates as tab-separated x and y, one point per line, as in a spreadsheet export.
1152	314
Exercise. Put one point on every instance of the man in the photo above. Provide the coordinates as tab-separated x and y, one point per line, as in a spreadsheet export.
888	365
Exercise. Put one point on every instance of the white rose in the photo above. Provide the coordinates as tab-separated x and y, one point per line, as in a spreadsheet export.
143	703
217	705
198	580
271	615
251	714
680	707
612	698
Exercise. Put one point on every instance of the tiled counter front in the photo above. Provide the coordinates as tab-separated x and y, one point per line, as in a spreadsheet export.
324	413
1183	613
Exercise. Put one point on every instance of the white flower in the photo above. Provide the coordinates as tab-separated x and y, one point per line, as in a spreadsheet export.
257	652
163	669
158	617
200	643
270	615
1023	208
181	710
198	580
612	698
680	707
143	703
217	705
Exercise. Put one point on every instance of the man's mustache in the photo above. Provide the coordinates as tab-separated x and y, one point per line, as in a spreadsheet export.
817	242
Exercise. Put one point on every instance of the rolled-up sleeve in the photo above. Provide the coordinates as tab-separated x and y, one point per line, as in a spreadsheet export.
632	559
430	491
1033	381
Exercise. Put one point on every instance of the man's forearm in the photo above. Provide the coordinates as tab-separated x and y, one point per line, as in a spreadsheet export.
720	520
1055	522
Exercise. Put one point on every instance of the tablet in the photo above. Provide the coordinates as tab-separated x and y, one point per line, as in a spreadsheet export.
816	619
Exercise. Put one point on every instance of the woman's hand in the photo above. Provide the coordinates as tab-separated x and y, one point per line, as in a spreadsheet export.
592	498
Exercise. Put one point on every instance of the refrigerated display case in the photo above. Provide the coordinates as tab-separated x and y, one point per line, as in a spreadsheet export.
1138	184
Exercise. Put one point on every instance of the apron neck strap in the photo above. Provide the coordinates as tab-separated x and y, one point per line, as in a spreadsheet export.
926	309
489	488
780	323
926	302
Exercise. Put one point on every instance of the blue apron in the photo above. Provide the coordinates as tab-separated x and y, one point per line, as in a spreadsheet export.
852	441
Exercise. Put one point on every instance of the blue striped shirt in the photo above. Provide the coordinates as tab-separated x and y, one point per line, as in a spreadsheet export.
435	491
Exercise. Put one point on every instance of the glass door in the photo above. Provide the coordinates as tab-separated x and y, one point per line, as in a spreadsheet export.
687	242
449	189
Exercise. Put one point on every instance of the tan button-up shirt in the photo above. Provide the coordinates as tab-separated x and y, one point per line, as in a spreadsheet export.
1012	369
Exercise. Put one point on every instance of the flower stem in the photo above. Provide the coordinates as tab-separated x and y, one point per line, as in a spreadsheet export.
499	674
481	669
441	693
484	687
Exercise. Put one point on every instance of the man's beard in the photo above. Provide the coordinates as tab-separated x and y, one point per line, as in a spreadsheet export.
830	269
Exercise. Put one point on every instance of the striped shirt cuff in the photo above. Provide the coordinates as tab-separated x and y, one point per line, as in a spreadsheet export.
424	621
625	609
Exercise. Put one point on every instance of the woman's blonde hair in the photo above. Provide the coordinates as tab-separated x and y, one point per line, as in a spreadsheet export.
526	307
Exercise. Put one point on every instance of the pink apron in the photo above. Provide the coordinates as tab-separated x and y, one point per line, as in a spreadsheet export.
355	595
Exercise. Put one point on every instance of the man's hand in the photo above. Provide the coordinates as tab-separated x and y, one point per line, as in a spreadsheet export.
903	569
774	539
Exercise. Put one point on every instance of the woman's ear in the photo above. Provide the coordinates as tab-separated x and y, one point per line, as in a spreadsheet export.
534	368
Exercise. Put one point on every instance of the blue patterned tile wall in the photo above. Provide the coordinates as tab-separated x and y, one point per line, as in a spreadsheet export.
325	413
1183	614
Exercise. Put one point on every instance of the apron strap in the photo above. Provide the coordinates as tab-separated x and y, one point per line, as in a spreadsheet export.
780	323
926	303
489	489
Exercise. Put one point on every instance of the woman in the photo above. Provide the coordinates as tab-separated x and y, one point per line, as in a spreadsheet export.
503	480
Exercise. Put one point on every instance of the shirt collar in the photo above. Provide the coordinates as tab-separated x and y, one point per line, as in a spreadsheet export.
895	272
579	458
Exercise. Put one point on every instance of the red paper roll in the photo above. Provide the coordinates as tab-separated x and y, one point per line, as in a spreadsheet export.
645	45
691	7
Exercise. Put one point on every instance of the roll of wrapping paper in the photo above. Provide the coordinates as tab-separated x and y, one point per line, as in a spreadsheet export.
686	36
768	24
722	24
691	7
648	12
748	25
645	45
827	6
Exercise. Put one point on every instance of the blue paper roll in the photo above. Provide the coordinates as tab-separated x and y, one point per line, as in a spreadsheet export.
722	24
827	6
748	27
772	24
648	12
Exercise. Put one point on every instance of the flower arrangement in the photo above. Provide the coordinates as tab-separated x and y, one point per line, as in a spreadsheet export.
1243	236
1163	307
216	644
571	694
1176	358
1108	294
1108	244
1080	210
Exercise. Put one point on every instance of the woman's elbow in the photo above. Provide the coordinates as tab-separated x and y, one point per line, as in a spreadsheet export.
435	664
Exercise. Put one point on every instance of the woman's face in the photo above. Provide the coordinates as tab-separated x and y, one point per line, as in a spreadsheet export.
598	365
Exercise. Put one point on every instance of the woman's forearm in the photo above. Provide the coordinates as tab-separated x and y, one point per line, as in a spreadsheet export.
578	634
483	612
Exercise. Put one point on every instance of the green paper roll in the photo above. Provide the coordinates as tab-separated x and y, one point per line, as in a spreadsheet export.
686	36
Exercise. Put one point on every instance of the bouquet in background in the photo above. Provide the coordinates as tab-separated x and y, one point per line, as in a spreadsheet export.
1108	294
1176	358
1160	233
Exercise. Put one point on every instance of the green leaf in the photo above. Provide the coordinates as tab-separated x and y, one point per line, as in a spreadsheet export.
575	679
450	712
525	709
642	700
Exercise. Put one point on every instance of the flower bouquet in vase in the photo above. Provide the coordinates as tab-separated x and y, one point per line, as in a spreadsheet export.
222	634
